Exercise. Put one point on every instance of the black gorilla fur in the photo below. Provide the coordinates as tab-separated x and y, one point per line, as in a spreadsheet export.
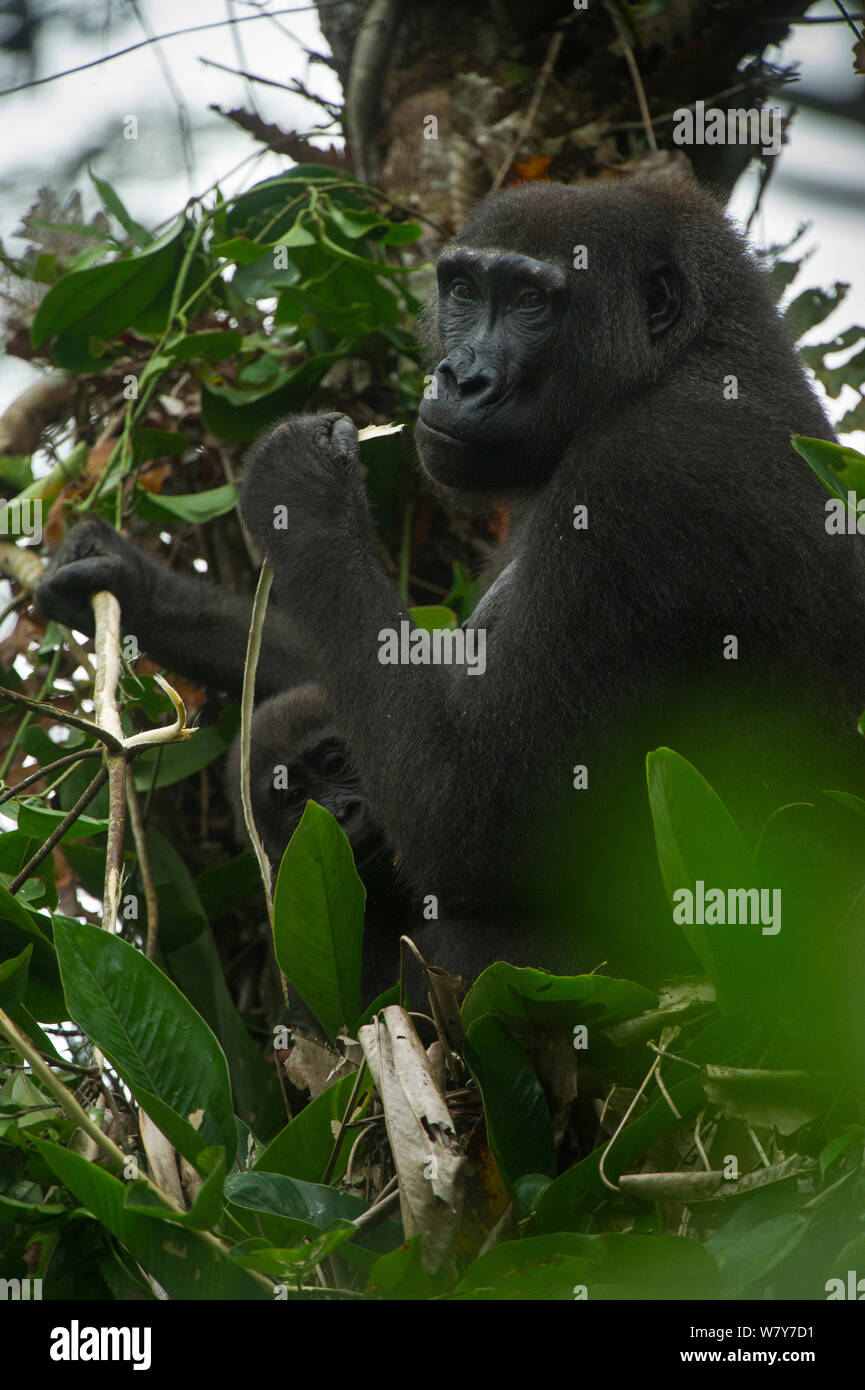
556	388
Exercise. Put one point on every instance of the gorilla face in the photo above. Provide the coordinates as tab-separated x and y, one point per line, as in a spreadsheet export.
533	348
314	768
499	317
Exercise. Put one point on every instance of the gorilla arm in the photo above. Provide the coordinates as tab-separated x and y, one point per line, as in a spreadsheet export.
187	625
439	752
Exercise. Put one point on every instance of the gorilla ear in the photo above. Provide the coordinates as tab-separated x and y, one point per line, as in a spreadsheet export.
663	299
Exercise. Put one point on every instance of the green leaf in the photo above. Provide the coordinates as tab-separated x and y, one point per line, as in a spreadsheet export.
697	839
165	764
112	204
239	416
813	306
13	979
40	822
107	299
146	1028
212	347
195	507
183	1262
840	469
318	920
289	1209
18	930
401	1275
518	1121
431	616
303	1148
150	444
556	1002
607	1267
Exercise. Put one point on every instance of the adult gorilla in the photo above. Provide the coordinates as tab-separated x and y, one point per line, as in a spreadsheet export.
609	357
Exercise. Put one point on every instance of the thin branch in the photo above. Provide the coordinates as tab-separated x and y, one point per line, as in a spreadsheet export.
45	771
106	611
256	627
848	18
158	38
62	717
637	81
59	831
532	110
150	896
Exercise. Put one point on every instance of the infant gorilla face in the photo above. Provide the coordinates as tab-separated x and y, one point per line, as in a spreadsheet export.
315	769
297	756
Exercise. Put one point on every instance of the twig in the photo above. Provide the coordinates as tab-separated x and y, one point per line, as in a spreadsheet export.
150	896
848	19
45	771
59	831
532	110
337	1145
637	81
157	38
256	627
75	721
106	643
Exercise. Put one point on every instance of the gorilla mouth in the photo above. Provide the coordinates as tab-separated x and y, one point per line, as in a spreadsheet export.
442	434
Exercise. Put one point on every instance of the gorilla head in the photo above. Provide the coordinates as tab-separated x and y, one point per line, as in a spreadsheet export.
298	756
601	287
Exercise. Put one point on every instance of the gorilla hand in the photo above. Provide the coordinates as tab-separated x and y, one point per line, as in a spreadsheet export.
94	556
302	486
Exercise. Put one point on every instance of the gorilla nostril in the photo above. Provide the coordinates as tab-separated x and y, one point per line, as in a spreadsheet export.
349	810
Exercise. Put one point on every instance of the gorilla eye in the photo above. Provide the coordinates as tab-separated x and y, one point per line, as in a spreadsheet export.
333	764
531	299
462	289
295	795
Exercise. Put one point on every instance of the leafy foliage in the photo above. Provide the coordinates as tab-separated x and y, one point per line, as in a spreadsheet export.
623	1143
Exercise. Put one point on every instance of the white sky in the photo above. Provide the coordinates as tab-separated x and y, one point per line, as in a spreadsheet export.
44	130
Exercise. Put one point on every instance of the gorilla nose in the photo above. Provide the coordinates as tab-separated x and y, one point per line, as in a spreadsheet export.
470	379
350	810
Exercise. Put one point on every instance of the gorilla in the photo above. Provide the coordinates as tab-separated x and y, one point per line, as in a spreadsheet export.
296	756
607	360
610	360
187	625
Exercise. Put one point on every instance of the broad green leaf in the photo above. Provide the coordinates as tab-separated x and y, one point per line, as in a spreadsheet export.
146	1028
554	1001
762	1230
150	444
697	840
182	1261
112	203
213	347
40	822
318	920
595	1267
105	300
195	507
401	1275
303	1148
433	615
18	930
518	1122
839	468
164	764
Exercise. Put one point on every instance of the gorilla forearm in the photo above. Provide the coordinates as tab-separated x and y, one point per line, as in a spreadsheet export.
186	624
195	628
